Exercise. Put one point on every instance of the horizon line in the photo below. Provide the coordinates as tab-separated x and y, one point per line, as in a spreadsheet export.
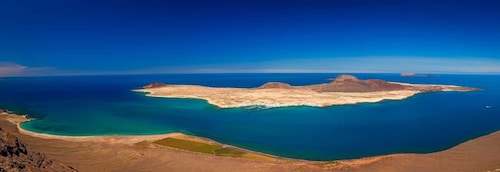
417	74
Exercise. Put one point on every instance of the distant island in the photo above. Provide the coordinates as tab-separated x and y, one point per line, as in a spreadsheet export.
345	89
411	74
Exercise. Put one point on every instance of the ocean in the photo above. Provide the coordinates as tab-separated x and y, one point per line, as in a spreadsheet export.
105	105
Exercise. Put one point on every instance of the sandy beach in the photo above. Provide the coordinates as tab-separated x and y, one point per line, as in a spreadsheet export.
137	153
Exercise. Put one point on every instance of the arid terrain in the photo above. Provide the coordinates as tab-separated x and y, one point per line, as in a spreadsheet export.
345	89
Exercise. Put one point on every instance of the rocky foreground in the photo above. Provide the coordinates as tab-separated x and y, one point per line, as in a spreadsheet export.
345	89
16	156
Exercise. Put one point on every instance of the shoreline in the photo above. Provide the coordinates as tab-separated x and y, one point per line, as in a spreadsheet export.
17	119
373	162
125	139
343	90
133	139
386	95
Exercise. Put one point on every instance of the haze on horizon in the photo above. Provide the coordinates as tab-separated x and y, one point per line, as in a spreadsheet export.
81	37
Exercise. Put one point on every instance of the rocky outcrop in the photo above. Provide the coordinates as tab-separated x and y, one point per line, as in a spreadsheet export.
16	156
279	85
155	85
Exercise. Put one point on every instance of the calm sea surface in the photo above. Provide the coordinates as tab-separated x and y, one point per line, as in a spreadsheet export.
105	105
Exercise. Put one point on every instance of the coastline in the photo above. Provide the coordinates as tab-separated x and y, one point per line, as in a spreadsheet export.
369	163
127	139
345	89
271	98
312	99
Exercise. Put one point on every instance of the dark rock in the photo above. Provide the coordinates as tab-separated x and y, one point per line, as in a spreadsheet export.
155	85
17	156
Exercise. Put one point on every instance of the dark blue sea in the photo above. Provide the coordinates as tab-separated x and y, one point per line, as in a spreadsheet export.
105	105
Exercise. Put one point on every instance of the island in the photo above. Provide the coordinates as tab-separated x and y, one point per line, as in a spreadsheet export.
407	74
411	74
344	89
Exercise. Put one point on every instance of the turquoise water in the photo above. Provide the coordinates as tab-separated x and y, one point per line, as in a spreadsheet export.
105	105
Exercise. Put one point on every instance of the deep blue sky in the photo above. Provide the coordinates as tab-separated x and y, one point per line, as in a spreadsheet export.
61	37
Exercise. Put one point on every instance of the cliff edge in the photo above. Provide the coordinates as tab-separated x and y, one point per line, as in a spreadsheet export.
16	156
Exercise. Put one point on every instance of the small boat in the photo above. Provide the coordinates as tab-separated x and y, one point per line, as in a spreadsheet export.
488	107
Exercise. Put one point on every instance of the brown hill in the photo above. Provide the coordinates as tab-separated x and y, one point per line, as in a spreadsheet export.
349	83
275	85
345	78
16	156
155	85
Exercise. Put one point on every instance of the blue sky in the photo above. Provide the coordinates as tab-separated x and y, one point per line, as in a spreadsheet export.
78	37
